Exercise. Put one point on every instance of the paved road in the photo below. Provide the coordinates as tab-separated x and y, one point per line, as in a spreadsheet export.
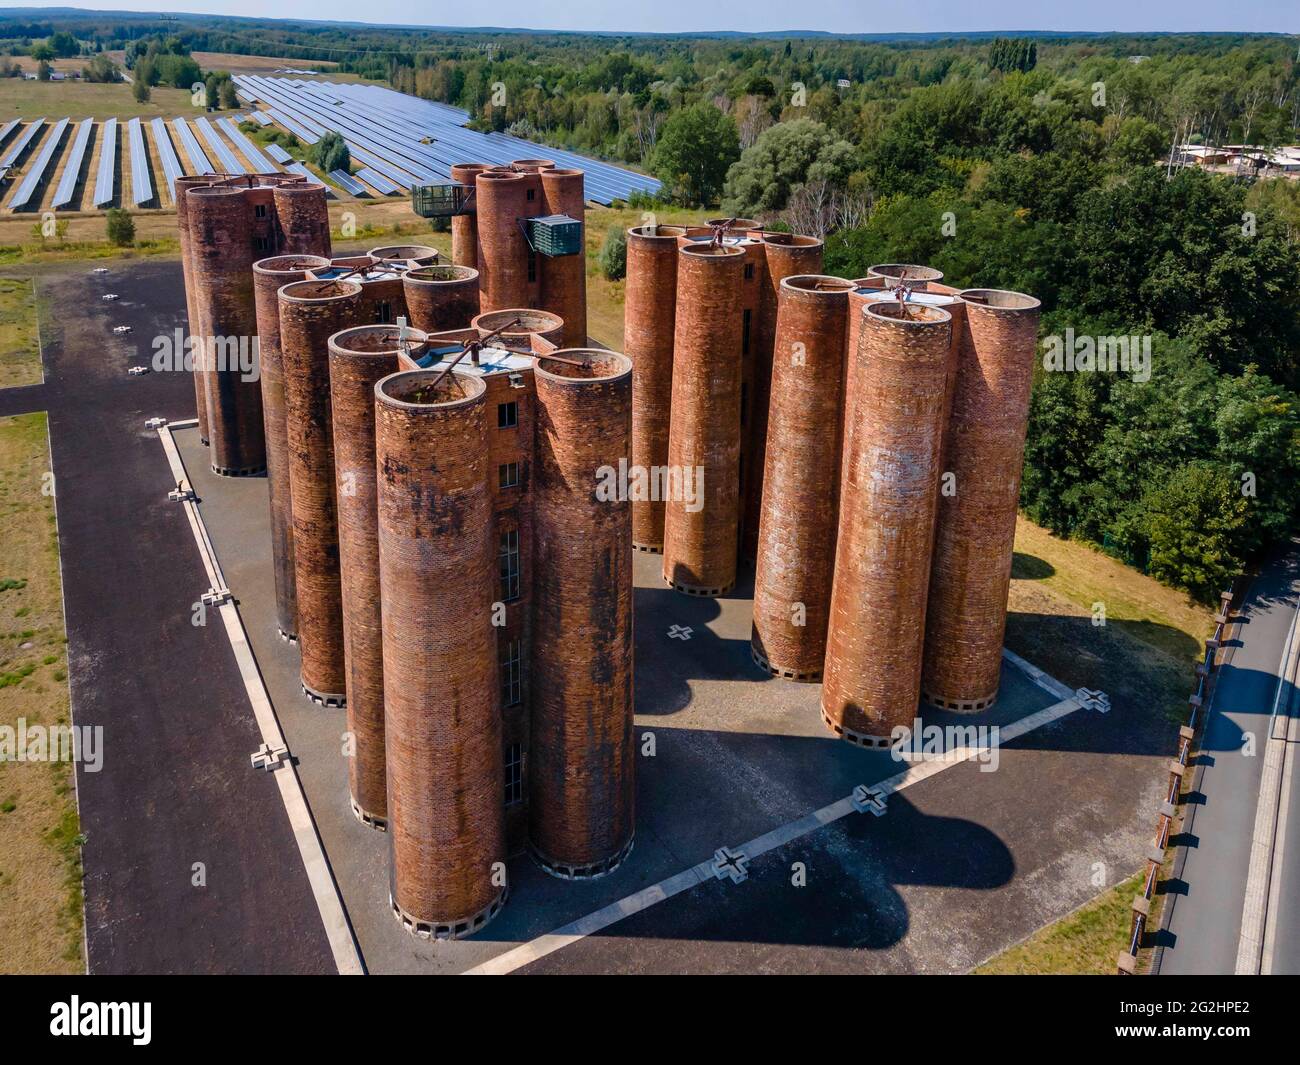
1206	922
176	788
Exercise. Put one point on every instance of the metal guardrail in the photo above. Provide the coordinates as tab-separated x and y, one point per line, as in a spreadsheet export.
1200	698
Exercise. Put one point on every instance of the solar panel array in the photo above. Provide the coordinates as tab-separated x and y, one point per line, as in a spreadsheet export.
36	171
260	117
12	124
199	164
106	175
171	165
72	167
141	186
410	141
278	154
24	139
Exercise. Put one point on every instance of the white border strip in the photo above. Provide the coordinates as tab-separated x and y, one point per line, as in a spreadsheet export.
1259	876
698	874
347	955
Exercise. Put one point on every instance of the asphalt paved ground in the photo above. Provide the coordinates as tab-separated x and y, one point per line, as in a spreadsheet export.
176	801
1205	925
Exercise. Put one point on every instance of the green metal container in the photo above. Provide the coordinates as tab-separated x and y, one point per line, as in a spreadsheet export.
555	234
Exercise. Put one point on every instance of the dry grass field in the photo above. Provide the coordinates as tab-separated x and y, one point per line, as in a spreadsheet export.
40	845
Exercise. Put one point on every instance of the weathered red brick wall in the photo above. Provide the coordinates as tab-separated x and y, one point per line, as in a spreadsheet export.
310	313
193	326
976	526
582	755
269	275
887	512
443	735
649	319
503	252
563	283
464	227
797	530
700	547
358	358
784	255
221	228
439	298
302	219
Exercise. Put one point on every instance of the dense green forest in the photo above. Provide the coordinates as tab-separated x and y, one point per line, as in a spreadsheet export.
1039	163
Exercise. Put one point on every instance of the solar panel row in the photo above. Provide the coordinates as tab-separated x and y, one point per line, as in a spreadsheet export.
377	182
141	186
72	167
171	165
7	129
24	139
224	156
348	182
105	177
36	171
199	164
278	154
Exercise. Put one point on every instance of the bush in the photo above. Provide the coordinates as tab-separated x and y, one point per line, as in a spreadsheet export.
612	257
121	227
330	153
140	90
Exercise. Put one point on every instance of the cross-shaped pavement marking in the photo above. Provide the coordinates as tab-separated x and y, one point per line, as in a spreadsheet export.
269	758
869	800
679	632
734	864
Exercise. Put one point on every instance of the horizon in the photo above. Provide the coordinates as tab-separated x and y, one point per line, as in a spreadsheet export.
767	17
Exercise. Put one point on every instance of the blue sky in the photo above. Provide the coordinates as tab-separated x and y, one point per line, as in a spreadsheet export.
843	16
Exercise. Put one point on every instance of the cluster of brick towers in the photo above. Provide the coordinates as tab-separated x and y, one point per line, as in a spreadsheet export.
861	440
433	437
432	434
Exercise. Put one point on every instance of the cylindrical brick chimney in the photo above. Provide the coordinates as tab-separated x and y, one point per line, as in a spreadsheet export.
415	254
582	749
976	528
882	560
649	318
531	323
220	222
194	328
912	275
359	357
464	227
704	430
303	219
504	258
443	729
564	277
796	542
310	313
784	255
439	298
269	276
